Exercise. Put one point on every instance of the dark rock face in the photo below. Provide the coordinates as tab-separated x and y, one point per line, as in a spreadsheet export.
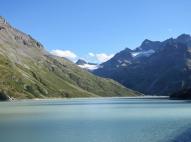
148	45
185	39
166	70
120	60
4	96
81	62
184	94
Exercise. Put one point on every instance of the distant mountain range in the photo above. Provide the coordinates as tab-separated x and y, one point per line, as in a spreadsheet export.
153	68
86	65
27	70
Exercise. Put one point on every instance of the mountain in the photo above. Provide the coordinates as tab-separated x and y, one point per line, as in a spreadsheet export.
183	94
154	68
122	58
85	65
81	62
27	70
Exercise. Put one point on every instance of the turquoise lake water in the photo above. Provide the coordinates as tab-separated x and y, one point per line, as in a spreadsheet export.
94	120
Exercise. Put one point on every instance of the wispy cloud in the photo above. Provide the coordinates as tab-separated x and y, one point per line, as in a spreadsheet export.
90	57
91	54
103	57
64	53
99	57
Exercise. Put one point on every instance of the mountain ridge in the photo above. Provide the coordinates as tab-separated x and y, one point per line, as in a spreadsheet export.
160	68
27	70
86	65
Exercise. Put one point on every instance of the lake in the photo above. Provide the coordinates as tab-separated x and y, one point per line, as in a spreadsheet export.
95	120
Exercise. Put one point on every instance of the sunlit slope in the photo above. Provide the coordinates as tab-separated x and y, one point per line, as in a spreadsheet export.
28	71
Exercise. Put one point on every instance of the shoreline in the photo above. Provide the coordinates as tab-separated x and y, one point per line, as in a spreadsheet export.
90	98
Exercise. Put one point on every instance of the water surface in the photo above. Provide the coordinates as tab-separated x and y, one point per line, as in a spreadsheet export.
94	120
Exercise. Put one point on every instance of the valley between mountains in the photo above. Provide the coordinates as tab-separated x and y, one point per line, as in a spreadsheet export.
28	71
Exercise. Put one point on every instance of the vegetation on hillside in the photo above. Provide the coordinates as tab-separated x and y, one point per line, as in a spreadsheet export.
28	71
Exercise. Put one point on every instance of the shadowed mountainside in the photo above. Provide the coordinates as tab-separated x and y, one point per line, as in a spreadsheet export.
184	94
154	68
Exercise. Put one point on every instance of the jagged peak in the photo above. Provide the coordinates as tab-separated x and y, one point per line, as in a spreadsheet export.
169	40
127	49
19	35
146	41
184	37
81	62
2	20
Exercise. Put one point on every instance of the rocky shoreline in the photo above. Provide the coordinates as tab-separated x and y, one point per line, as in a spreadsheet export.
184	94
4	96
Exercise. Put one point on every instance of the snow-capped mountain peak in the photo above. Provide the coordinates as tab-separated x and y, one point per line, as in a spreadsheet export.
89	66
85	65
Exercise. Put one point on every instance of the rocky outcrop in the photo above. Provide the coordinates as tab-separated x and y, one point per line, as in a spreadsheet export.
184	94
4	96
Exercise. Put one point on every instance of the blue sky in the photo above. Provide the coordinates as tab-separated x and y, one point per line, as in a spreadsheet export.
101	27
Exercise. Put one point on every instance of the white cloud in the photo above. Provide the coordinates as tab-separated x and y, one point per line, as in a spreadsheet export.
88	66
64	53
102	57
91	54
92	57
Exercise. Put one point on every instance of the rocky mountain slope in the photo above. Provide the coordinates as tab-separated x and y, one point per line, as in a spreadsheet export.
184	94
154	68
27	70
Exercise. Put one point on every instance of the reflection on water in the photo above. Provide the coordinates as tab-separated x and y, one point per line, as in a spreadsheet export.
94	120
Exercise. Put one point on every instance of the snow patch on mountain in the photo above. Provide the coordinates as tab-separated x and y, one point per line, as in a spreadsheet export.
89	66
143	53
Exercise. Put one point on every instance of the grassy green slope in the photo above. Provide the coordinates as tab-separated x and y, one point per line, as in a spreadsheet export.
55	79
28	71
